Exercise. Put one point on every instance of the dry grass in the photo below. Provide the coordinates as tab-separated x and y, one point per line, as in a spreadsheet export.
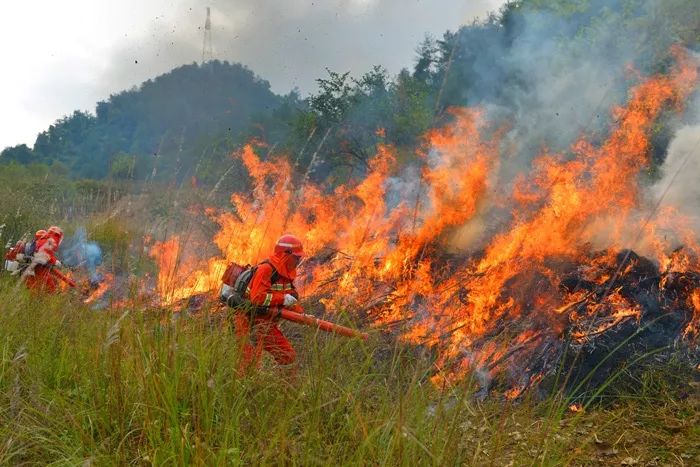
120	388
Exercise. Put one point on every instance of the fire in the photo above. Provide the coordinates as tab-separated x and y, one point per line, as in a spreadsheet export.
167	257
576	408
396	260
692	331
560	215
175	266
370	240
101	289
613	310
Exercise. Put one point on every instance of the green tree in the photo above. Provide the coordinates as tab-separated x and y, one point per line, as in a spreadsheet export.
20	153
413	108
334	98
123	166
426	61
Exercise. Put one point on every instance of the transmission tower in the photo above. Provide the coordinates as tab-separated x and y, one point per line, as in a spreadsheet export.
207	52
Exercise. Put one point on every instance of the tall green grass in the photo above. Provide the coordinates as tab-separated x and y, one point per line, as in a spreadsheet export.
133	387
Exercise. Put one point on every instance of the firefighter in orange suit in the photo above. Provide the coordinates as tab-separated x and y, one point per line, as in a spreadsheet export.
38	276
270	288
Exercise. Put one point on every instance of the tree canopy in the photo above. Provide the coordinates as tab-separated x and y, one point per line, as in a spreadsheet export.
168	116
186	122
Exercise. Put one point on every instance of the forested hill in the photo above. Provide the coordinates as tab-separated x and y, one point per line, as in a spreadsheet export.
548	70
171	114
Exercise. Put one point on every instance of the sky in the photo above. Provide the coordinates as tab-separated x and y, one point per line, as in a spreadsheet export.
61	56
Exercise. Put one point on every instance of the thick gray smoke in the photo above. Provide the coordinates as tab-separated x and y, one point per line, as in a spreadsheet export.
558	76
679	186
288	43
291	43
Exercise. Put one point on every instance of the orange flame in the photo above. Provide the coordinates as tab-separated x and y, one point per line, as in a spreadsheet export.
692	330
101	289
366	252
576	408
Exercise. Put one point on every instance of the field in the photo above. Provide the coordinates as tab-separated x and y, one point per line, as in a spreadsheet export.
82	387
131	385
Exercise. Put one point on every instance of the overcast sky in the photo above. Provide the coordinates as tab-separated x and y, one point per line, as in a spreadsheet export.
64	55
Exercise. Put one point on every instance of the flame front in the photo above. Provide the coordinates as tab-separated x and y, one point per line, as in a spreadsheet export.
448	266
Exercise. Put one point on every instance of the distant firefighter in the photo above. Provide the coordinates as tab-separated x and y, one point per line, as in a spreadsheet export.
37	275
20	256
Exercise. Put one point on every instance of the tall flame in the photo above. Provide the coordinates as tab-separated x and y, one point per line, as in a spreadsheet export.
392	258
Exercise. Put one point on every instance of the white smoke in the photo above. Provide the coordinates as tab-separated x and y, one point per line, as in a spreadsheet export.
679	187
556	80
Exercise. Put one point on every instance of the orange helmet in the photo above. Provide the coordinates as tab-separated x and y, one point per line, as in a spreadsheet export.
40	234
288	243
55	232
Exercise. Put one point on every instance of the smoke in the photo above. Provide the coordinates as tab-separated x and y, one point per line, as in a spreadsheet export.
679	188
76	53
551	78
290	43
78	252
403	188
557	76
679	185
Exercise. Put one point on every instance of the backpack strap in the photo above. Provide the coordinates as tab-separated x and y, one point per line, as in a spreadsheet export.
275	275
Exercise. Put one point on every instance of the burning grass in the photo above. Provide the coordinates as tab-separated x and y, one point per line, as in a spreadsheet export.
506	287
120	387
548	258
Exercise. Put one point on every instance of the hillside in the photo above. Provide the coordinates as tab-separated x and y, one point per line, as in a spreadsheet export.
546	69
170	116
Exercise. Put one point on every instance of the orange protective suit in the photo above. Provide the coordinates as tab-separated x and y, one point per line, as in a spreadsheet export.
38	277
272	280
